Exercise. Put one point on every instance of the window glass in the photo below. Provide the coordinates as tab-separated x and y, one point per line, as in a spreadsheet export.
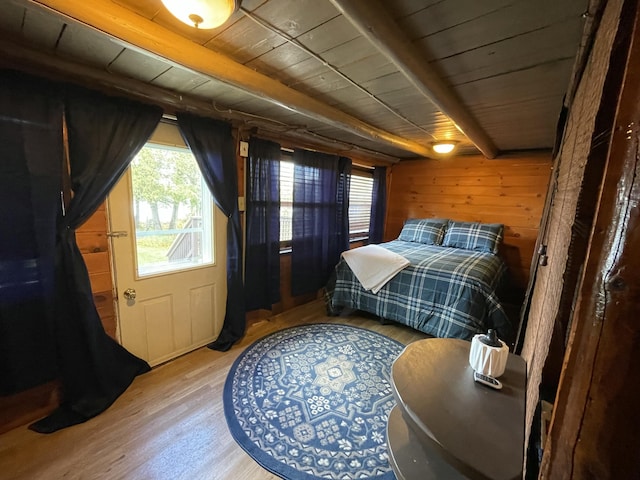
172	211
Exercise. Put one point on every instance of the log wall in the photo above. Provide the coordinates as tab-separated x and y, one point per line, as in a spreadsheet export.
509	190
595	423
573	158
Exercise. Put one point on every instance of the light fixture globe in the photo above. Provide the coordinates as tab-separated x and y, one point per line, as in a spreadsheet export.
202	14
444	147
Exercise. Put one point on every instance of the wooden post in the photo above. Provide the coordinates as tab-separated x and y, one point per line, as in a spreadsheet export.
594	428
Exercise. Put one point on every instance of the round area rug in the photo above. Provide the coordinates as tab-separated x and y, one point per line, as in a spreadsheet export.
313	401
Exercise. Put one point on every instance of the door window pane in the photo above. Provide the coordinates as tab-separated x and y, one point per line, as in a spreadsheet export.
172	211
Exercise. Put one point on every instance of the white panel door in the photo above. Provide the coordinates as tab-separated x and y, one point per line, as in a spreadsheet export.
169	259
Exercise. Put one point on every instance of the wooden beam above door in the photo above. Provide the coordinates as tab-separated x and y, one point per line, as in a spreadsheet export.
151	38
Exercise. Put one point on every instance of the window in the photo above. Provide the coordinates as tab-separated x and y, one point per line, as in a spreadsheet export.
360	193
286	201
172	209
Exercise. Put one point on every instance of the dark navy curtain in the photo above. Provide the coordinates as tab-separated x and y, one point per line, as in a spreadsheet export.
212	144
320	230
262	247
31	155
104	135
378	205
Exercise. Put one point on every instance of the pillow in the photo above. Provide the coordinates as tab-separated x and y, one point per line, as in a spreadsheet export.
425	230
480	237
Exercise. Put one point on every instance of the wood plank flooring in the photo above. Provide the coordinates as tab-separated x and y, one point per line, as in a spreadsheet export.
168	425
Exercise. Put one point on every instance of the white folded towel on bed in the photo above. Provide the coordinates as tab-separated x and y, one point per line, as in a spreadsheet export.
374	266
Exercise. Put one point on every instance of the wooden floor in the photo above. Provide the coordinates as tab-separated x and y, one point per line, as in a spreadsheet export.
168	425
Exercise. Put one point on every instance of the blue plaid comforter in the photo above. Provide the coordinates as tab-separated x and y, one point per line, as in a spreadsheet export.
445	292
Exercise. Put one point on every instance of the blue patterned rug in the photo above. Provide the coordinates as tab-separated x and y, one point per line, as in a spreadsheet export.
312	402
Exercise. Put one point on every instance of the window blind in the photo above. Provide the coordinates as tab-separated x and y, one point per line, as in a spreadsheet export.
360	204
286	200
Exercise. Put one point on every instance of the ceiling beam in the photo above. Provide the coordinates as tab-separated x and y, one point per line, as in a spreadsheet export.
373	21
40	63
134	30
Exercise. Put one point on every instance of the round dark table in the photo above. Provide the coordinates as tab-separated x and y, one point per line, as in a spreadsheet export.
448	426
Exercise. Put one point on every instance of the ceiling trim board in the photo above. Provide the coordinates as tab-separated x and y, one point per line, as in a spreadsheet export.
17	57
295	42
132	29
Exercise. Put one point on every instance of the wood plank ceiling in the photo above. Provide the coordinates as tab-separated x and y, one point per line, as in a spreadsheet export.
363	75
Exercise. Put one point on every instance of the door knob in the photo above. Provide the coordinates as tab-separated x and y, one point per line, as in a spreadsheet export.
129	294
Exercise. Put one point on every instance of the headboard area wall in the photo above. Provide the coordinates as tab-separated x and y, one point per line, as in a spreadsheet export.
509	190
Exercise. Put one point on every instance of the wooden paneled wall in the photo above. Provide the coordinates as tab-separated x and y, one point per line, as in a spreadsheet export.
94	246
509	190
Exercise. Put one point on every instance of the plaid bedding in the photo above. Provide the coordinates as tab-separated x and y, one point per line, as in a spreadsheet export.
445	292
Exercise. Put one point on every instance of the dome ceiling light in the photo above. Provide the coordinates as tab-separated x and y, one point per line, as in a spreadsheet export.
444	148
202	14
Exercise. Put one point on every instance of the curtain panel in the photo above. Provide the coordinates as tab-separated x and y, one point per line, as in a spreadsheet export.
212	144
262	247
31	155
104	133
320	230
378	205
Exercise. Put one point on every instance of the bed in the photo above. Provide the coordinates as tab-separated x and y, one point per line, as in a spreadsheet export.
448	288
